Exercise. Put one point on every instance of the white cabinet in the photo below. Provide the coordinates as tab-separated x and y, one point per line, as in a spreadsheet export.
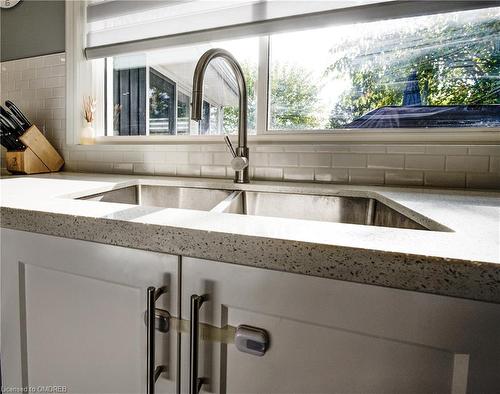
329	336
73	314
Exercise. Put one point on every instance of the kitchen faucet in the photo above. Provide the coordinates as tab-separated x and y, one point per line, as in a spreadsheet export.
239	163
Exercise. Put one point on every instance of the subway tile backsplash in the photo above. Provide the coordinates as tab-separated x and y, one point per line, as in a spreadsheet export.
38	86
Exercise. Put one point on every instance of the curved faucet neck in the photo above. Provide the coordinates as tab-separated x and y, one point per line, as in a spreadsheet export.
199	76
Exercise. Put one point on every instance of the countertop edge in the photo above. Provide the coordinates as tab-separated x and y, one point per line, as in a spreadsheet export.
435	275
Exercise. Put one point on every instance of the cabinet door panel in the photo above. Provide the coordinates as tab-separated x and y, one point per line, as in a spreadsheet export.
73	314
311	358
328	336
78	332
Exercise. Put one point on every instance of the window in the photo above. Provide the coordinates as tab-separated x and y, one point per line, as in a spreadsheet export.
161	104
167	90
419	72
129	101
427	71
204	126
183	113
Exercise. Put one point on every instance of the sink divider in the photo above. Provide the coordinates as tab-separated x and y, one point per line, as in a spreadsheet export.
138	194
370	212
224	204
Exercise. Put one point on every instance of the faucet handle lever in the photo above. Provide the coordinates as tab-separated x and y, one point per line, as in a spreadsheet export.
239	161
229	145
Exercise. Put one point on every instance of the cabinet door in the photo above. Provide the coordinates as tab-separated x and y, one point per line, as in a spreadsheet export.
329	336
73	314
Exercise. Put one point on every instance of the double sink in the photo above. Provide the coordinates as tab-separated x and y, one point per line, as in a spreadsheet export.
338	209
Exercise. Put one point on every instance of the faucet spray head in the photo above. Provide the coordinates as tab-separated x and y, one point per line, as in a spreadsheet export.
196	105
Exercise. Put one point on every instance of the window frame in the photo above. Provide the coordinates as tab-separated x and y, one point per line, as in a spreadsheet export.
80	68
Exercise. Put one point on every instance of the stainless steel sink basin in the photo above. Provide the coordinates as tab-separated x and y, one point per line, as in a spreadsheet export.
163	196
354	210
338	209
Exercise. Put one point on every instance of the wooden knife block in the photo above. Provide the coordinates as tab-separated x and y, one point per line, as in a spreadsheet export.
38	157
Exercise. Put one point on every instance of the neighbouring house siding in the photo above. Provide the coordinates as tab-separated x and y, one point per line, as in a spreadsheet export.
130	94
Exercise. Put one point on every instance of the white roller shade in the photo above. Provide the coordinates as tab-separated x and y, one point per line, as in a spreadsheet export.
121	26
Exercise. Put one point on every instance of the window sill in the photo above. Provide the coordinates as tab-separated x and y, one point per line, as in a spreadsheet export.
450	136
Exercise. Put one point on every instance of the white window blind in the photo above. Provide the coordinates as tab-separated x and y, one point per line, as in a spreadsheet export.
122	26
119	26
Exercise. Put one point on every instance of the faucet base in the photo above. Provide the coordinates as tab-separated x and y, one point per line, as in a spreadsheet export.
242	176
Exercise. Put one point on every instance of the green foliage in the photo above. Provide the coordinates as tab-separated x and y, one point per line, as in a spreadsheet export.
231	114
294	99
456	59
159	102
294	96
457	62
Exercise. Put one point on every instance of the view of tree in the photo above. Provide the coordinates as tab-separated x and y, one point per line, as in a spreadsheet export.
294	93
294	98
230	123
159	102
453	59
455	63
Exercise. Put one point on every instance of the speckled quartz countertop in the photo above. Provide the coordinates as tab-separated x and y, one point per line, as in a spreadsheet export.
463	261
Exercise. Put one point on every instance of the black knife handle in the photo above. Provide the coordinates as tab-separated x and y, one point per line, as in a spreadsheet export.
17	112
13	121
9	135
5	133
7	125
7	140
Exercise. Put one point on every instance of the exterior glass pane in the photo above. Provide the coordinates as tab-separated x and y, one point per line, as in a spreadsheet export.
183	113
129	100
428	71
171	75
161	104
214	120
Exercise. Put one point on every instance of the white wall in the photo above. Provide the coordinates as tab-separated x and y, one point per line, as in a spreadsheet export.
37	85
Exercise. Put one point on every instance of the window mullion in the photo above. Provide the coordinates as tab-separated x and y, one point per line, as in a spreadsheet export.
147	98
262	92
175	104
110	109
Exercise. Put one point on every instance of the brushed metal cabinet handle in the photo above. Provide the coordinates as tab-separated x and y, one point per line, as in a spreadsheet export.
195	382
153	372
